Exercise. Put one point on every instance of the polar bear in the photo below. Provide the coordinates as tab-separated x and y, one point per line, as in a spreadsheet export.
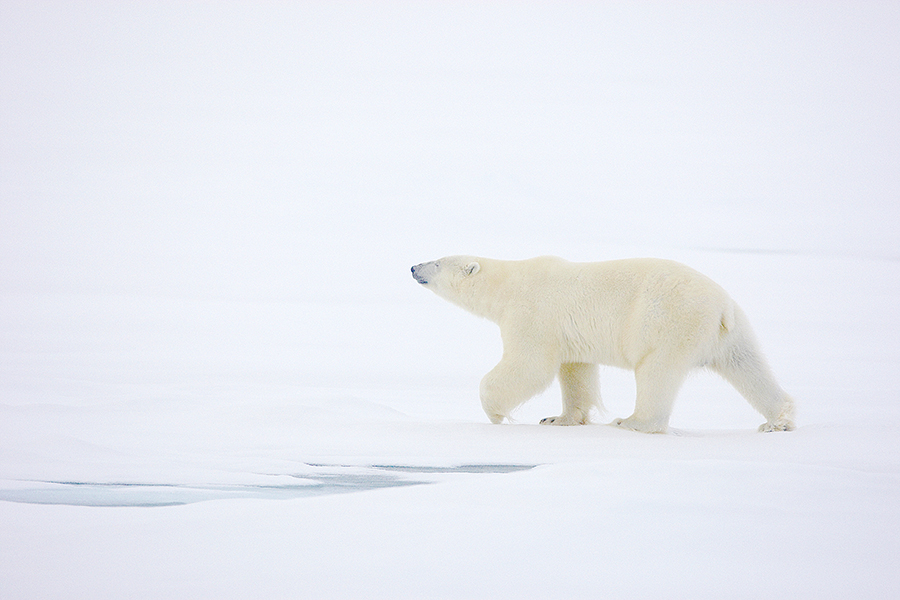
656	317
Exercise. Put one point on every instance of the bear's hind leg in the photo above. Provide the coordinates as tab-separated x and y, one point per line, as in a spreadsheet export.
511	383
580	383
658	379
747	370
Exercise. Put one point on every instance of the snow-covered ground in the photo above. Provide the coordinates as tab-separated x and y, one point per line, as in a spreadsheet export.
218	379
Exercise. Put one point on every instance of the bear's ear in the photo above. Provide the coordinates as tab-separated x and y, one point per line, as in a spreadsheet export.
472	268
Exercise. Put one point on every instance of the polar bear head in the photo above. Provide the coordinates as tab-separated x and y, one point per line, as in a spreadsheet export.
454	278
446	273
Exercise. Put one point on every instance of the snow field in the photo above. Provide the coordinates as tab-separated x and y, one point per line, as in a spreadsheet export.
218	379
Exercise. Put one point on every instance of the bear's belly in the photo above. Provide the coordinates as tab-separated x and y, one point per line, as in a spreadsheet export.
598	353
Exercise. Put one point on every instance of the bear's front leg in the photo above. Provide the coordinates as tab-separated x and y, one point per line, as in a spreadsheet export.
580	383
513	381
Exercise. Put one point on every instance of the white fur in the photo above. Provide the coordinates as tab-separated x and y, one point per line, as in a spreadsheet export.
658	318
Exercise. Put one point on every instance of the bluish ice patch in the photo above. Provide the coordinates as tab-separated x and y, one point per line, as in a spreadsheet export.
458	469
339	481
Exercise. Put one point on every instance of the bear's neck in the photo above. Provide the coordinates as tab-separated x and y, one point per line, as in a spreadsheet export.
486	298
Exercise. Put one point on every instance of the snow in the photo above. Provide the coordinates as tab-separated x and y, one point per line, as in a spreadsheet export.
218	379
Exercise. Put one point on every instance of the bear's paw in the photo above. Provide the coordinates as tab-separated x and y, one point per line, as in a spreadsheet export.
564	420
641	426
779	425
